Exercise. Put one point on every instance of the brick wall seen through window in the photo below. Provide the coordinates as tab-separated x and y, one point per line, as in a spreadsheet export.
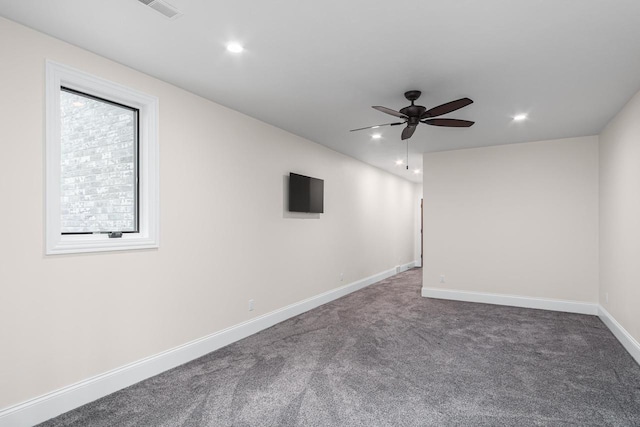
98	165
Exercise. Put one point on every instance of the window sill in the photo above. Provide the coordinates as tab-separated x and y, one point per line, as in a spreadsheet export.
72	244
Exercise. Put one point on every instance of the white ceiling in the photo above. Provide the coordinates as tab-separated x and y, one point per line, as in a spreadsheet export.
315	68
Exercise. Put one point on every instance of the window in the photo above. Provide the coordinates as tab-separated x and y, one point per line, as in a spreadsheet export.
102	165
99	172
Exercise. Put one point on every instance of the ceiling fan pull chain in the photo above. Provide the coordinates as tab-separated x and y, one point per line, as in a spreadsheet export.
407	154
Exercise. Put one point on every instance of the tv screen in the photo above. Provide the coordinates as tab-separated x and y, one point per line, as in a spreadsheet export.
306	194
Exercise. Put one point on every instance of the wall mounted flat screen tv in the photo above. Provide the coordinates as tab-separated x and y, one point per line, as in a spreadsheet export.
306	194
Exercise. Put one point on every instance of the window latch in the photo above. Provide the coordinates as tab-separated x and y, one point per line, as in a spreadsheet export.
115	234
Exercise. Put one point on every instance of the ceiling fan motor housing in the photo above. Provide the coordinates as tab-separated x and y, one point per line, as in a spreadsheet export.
414	113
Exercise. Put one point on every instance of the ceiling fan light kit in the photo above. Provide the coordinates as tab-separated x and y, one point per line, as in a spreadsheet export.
413	115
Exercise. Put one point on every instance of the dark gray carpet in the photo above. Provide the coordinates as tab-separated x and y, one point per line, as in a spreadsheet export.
384	356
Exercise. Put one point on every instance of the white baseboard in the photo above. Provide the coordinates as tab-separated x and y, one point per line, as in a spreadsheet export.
52	404
513	300
625	338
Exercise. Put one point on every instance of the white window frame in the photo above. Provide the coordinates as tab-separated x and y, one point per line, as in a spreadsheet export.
58	75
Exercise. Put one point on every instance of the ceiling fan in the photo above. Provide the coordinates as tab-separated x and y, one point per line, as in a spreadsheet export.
413	115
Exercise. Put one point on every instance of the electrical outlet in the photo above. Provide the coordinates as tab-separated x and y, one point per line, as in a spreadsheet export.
250	305
341	277
442	278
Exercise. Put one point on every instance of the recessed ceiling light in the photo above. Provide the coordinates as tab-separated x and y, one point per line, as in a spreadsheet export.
235	47
416	171
399	162
77	104
376	136
375	127
520	117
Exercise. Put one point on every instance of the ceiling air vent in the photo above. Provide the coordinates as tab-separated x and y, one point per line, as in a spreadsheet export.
163	7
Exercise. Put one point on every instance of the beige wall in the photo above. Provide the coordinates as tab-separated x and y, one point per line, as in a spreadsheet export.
518	219
225	235
418	225
620	217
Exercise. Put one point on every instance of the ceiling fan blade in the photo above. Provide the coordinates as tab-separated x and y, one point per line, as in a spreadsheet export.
377	126
408	132
446	108
452	123
389	111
